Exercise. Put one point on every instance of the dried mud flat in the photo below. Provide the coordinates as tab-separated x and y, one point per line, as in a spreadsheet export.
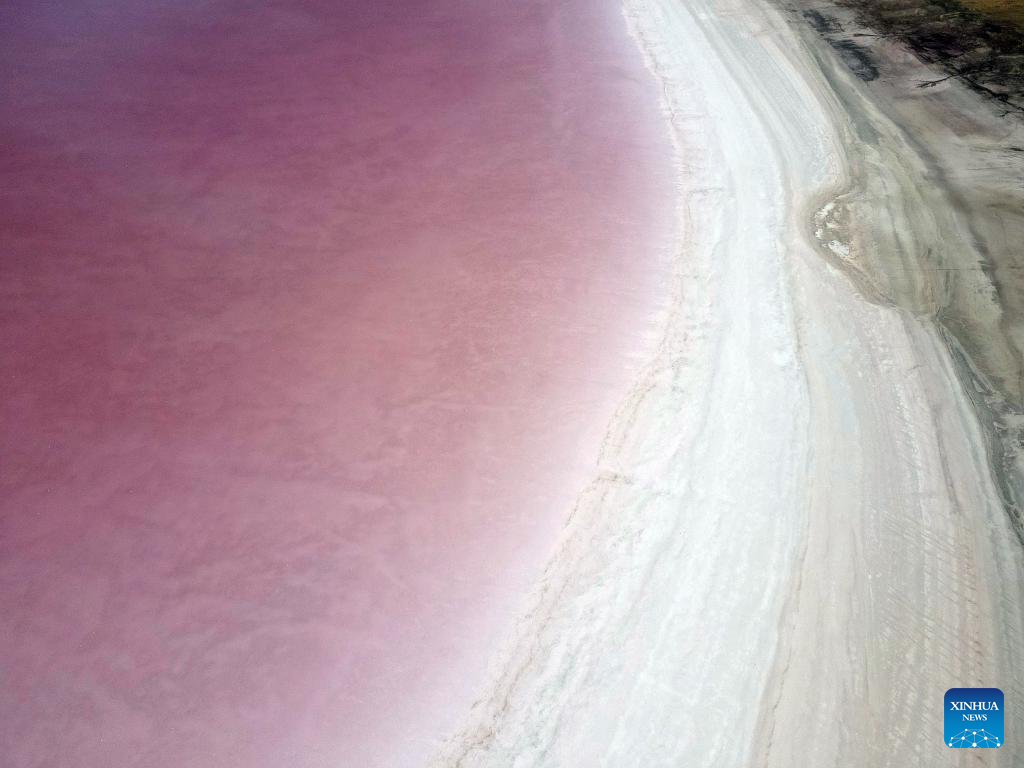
933	219
979	42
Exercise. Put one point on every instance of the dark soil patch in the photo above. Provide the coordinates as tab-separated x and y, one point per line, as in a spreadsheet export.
984	52
856	58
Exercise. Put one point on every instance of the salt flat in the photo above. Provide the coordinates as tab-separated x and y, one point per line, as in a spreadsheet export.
793	545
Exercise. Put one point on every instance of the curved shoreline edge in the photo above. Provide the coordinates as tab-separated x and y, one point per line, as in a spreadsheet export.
794	524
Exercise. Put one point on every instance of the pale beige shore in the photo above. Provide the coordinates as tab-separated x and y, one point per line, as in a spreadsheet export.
912	578
932	219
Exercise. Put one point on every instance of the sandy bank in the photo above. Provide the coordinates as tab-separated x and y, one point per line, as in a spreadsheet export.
932	220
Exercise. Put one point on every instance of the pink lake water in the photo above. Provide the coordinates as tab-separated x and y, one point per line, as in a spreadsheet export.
312	315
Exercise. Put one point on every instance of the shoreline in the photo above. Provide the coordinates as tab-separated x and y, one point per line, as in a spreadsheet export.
625	540
833	476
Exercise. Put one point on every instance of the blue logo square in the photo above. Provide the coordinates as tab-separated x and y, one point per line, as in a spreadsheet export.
974	718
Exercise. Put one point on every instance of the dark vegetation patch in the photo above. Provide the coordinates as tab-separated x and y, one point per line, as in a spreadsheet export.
823	24
856	58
